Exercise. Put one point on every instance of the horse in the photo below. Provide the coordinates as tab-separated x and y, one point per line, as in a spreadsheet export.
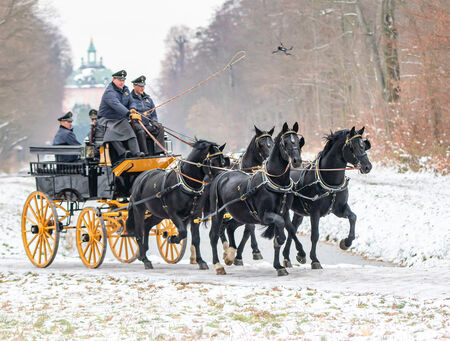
257	151
263	198
170	194
323	188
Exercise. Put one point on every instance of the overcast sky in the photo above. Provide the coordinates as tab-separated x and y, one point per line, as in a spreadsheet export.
127	34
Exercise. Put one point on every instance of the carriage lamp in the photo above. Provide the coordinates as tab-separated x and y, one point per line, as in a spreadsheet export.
167	144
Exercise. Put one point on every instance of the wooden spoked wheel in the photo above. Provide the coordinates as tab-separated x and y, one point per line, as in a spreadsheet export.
91	238
125	249
171	253
40	229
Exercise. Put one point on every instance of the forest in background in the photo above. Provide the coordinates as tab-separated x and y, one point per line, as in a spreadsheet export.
380	64
34	65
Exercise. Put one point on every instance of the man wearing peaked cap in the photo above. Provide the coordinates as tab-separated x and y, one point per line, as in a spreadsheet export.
115	107
145	106
93	114
65	137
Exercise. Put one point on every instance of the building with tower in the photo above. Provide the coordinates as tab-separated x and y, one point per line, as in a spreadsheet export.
84	89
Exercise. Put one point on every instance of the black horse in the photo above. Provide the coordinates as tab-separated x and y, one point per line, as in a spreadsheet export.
257	151
263	198
170	194
321	189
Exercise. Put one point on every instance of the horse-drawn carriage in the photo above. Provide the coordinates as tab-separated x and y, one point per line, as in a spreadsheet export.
66	188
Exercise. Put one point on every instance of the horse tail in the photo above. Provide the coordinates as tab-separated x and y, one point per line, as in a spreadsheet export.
130	220
269	233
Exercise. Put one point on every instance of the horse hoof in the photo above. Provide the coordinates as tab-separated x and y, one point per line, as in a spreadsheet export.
228	261
316	265
282	272
342	245
229	255
238	261
148	265
257	256
287	263
193	261
220	271
301	259
203	266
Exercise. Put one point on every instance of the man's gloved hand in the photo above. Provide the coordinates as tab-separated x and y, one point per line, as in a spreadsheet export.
157	125
135	116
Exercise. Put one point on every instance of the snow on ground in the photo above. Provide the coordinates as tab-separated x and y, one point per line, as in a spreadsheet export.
401	218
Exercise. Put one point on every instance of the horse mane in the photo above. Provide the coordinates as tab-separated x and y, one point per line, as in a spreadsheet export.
332	138
203	144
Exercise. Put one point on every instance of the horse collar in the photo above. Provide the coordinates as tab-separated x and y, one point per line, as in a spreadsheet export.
272	185
185	186
327	187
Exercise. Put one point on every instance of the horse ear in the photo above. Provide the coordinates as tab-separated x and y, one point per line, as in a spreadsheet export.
352	131
302	142
366	145
257	131
360	132
222	147
285	127
271	131
295	127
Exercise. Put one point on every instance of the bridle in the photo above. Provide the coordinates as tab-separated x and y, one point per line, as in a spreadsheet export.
257	146
284	153
356	159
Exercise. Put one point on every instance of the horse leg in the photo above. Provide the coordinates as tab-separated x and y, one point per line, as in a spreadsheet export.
196	247
194	231
143	234
245	236
181	227
270	218
213	239
229	250
315	217
254	243
292	235
347	213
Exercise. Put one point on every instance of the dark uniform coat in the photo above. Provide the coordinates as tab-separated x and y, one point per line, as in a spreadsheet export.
112	114
65	137
142	104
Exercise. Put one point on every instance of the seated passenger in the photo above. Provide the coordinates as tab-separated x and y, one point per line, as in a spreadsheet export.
115	108
66	137
144	105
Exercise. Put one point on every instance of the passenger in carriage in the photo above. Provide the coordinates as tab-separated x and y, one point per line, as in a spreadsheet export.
145	106
66	137
116	107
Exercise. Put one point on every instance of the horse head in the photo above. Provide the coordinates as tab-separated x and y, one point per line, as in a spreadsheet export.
263	142
210	155
354	150
290	144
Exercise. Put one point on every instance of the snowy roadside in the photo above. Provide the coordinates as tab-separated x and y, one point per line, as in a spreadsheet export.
121	302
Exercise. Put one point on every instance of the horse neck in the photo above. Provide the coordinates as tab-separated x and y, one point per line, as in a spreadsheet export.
276	165
251	157
192	171
333	159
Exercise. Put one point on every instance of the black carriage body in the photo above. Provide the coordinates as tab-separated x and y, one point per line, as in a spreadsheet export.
81	180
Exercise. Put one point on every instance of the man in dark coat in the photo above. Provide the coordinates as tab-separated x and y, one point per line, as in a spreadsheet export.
65	137
116	107
145	106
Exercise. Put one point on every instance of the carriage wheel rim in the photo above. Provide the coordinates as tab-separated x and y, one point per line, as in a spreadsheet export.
125	249
91	238
171	253
40	234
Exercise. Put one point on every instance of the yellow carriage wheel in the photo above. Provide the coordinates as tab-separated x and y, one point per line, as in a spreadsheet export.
125	249
171	253
40	229
91	238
